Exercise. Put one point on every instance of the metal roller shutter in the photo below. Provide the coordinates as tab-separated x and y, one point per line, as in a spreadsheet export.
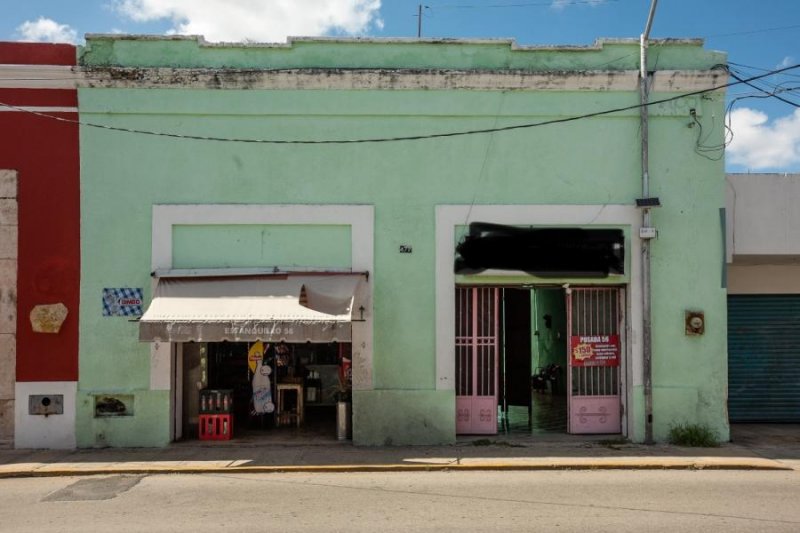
764	358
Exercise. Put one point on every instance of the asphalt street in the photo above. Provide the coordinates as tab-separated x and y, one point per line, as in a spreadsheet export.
619	501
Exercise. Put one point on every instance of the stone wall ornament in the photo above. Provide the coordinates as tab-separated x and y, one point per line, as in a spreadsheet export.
48	318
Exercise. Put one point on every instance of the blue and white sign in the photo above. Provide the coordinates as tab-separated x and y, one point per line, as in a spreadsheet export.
124	301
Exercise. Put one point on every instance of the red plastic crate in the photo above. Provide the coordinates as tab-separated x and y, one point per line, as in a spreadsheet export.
216	427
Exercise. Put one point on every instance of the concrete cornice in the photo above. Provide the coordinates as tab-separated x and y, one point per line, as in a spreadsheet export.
512	43
394	79
39	77
66	77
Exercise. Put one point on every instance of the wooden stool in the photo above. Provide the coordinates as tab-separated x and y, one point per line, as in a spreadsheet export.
287	416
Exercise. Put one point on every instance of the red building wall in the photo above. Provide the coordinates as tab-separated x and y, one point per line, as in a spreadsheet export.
44	152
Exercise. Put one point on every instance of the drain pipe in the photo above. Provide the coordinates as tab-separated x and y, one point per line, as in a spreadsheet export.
647	345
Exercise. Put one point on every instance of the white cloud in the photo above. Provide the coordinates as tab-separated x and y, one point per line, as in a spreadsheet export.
561	4
788	61
760	145
47	31
257	20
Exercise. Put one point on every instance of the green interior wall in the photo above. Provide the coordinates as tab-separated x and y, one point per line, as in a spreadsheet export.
550	342
535	352
594	161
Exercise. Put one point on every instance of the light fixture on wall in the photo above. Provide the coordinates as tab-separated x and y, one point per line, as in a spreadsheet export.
361	318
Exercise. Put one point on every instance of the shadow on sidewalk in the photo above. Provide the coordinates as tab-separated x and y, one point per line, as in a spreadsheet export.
770	441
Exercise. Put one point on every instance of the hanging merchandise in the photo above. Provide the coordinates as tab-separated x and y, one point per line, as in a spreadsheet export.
254	355
262	390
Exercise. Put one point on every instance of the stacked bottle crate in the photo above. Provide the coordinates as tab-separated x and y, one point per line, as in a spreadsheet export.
216	414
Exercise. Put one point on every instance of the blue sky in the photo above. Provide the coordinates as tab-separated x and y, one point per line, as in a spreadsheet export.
761	34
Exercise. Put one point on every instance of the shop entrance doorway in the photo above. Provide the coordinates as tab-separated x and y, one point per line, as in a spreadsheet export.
539	360
286	392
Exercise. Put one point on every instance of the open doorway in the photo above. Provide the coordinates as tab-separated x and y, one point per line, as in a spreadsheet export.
511	347
515	360
278	391
534	359
539	360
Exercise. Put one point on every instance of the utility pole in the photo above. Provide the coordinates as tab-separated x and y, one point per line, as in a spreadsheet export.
419	19
647	334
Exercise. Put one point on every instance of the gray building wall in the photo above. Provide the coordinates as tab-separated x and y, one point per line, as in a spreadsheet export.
763	233
8	303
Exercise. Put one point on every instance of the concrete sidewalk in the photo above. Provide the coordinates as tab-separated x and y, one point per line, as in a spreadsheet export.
753	449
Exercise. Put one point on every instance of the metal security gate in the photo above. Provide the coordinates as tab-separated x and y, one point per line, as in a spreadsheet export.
595	321
764	358
477	342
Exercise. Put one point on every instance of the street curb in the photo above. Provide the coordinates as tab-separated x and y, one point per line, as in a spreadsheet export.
54	471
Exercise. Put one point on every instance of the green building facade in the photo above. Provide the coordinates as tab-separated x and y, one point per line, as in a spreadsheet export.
177	177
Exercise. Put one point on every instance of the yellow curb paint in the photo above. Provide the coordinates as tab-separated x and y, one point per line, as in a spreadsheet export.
671	464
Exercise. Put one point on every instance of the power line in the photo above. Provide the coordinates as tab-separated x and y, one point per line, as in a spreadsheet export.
408	137
761	69
755	68
777	89
761	93
763	30
773	94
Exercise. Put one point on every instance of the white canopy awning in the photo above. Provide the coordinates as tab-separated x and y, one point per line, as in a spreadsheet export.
290	307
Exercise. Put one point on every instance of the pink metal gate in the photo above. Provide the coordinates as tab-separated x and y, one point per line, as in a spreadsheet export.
595	323
477	342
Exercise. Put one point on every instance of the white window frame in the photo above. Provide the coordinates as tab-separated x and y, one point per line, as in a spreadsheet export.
360	218
450	217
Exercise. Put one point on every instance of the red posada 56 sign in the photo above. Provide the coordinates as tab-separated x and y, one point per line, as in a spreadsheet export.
595	350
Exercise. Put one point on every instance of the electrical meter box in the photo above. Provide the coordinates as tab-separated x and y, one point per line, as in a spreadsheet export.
46	404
